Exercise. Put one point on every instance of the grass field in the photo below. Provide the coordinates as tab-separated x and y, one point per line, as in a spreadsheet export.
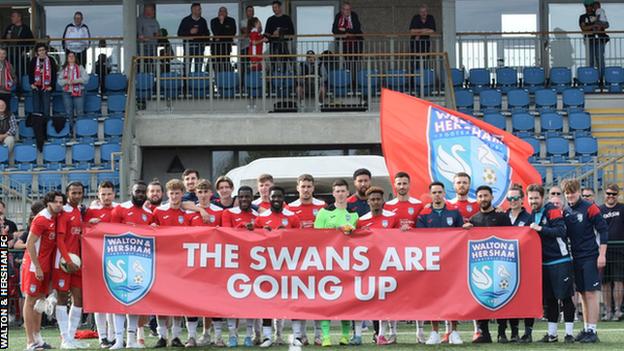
611	336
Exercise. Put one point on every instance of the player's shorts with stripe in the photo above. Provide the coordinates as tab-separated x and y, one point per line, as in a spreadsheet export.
31	286
558	280
63	281
586	276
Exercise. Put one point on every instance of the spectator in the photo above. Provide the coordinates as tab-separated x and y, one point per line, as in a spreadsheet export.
194	25
222	26
8	227
244	41
76	33
589	26
421	26
613	278
588	194
277	28
308	76
556	201
18	50
347	25
166	52
102	66
148	31
8	126
256	42
42	78
72	78
7	78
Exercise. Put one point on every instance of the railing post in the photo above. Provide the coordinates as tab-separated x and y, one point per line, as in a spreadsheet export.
25	211
158	85
369	93
264	85
460	53
317	87
485	53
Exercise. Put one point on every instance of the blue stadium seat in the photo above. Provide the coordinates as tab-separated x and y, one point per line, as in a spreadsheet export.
4	157
533	79
227	84
394	79
93	84
58	107
428	80
25	156
111	176
26	89
106	151
464	100
506	79
113	129
54	156
541	169
614	79
28	104
535	144
339	81
560	78
587	79
561	172
86	130
495	119
199	83
83	177
552	124
580	124
116	103
518	100
545	100
49	181
585	148
253	83
363	82
171	84
21	181
490	101
457	76
479	79
573	100
27	134
557	149
283	85
93	105
144	85
60	136
115	84
522	124
83	156
14	105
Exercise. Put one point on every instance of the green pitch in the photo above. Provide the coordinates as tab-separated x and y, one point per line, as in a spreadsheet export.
611	336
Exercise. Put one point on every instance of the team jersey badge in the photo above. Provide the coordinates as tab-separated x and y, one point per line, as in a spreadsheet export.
284	221
493	271
181	219
144	217
410	210
212	219
348	217
384	223
129	265
521	224
469	208
449	221
315	212
579	216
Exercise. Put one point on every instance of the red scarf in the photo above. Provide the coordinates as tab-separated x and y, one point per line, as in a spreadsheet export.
74	73
8	80
345	22
46	81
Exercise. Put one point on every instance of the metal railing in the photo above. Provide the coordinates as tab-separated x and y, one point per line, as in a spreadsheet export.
288	83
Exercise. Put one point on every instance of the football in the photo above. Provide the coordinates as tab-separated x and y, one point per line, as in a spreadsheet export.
75	259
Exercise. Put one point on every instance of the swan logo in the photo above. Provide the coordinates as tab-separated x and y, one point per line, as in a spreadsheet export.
493	271
456	145
129	266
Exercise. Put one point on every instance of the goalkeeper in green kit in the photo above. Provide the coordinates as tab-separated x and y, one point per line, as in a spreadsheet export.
336	216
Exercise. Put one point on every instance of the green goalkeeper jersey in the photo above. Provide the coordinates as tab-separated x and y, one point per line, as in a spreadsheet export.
332	217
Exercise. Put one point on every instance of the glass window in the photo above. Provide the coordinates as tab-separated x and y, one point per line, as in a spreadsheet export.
314	20
223	162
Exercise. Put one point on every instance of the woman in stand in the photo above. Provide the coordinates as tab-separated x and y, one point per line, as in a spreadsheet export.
73	77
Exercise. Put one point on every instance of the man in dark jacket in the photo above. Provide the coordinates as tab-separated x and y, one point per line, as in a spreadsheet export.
222	26
42	72
17	50
194	25
277	28
347	26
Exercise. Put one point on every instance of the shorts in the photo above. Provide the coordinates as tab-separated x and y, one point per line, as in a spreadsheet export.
614	271
586	275
31	286
63	281
558	280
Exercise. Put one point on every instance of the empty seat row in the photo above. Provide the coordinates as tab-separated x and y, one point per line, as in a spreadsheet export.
53	180
491	100
557	149
116	104
86	130
54	156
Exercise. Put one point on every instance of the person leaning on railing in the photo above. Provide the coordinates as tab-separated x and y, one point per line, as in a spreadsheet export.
18	50
77	30
347	25
421	26
222	26
194	25
277	28
148	31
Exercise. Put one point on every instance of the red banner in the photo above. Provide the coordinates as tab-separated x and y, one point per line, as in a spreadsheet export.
425	274
431	142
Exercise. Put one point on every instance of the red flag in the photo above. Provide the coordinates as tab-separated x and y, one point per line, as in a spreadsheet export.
433	143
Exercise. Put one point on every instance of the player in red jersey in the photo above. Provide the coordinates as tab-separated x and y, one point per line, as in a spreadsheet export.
171	214
37	265
357	202
130	212
404	206
154	195
203	190
466	206
101	210
306	206
277	217
264	183
242	216
69	231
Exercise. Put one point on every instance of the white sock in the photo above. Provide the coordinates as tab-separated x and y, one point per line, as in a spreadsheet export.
120	327
133	322
218	328
163	332
279	327
569	328
317	329
358	328
266	332
382	328
100	324
62	321
140	332
393	327
591	327
476	326
552	329
176	328
38	338
75	314
585	326
232	328
447	327
191	327
132	337
111	326
420	328
249	329
296	328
